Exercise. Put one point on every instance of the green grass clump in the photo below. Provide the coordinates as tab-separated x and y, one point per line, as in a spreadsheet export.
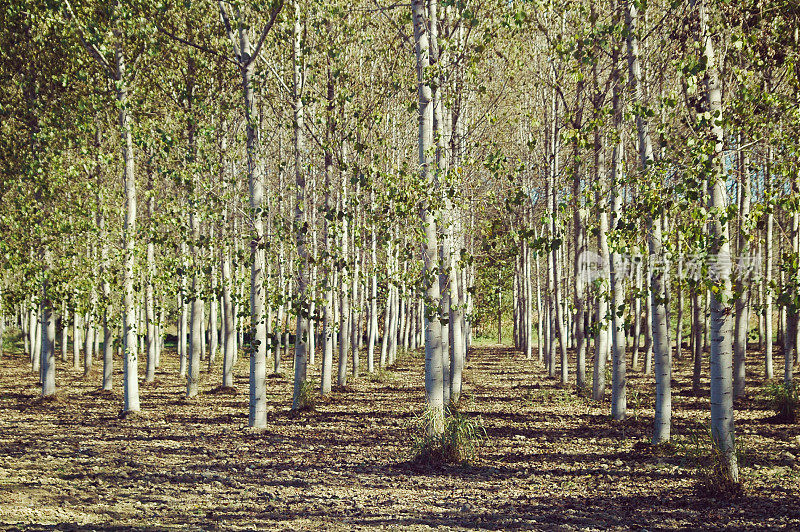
711	463
457	442
783	399
381	375
308	397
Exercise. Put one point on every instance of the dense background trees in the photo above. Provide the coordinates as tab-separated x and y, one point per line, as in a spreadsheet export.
354	179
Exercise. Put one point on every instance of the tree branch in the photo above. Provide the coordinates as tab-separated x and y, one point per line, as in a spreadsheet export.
197	46
92	49
226	21
273	16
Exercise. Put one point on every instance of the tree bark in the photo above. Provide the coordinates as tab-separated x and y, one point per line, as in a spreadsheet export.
722	425
661	340
434	393
742	316
301	224
130	365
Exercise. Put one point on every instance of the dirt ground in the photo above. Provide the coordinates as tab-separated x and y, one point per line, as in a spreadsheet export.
551	460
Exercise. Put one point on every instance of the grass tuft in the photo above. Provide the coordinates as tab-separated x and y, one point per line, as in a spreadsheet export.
711	463
381	375
458	442
783	399
307	401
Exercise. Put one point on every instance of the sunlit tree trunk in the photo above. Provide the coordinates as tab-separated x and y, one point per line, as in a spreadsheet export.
617	276
130	365
89	334
76	334
434	394
345	317
48	356
722	426
149	299
3	325
767	279
108	349
742	316
637	313
301	224
328	239
679	298
661	339
183	322
213	307
373	280
196	337
601	342
64	327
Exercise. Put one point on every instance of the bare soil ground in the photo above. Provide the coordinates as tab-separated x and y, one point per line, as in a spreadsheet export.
552	460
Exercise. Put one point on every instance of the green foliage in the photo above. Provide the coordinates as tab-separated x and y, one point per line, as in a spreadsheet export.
308	396
381	375
699	451
783	399
458	443
635	399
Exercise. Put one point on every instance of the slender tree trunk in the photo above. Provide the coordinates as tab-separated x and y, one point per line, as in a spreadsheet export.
3	326
197	305
455	324
722	426
679	300
64	326
742	316
637	314
149	301
130	365
48	356
301	224
76	335
184	316
88	337
434	393
328	238
661	340
108	349
229	322
344	323
767	279
373	299
697	341
213	309
258	333
617	275
601	342
228	319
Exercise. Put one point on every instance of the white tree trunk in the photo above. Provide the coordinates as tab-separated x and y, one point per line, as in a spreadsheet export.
434	392
722	429
183	322
742	317
108	353
661	340
149	300
76	335
601	342
129	326
213	307
767	279
301	224
48	356
344	300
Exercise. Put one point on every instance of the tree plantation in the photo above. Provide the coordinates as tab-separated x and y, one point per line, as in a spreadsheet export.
295	264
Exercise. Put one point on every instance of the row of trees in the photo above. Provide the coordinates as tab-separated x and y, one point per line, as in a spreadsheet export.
276	193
